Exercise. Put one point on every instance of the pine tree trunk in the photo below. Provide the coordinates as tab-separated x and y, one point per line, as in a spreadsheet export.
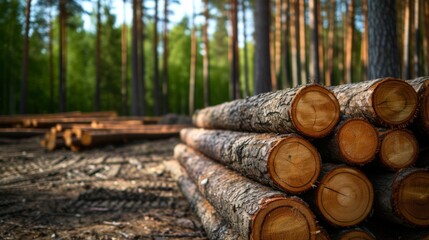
402	197
286	162
286	44
332	198
262	76
416	63
278	38
426	37
63	57
349	42
250	208
294	39
382	40
135	63
314	47
165	96
398	149
97	59
353	141
406	42
193	63
302	42
321	51
235	77
156	85
124	86
310	110
23	106
141	56
330	45
364	45
383	102
206	57
421	85
51	59
213	224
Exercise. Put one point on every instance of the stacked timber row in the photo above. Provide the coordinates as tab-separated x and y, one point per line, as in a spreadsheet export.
76	130
338	153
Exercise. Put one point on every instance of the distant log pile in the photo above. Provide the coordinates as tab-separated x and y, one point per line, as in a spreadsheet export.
274	139
76	130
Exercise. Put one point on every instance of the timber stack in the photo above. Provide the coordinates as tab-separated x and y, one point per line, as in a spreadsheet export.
76	130
309	162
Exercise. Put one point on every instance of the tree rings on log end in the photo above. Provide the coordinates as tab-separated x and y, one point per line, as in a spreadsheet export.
315	111
355	234
399	149
411	197
284	218
86	139
394	101
358	141
294	164
345	196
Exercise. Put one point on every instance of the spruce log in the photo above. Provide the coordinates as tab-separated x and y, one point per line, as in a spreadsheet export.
21	132
383	102
354	233
398	149
403	197
214	225
421	85
251	209
288	162
353	141
310	110
344	196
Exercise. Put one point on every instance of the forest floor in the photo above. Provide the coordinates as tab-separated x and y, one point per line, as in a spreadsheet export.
114	192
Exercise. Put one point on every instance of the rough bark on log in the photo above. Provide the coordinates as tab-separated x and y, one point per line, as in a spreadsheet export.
403	197
311	110
421	85
214	225
288	162
383	102
354	233
21	132
344	196
398	149
253	210
353	141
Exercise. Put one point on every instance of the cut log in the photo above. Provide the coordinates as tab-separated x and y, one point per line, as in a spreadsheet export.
403	197
344	196
322	234
383	102
353	141
55	141
421	85
288	162
399	149
21	132
214	225
354	233
310	110
13	120
251	209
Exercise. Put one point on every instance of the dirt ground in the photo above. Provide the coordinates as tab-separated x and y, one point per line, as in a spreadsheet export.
113	192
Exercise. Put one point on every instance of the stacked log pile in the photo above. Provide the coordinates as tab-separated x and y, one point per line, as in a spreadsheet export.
76	130
310	162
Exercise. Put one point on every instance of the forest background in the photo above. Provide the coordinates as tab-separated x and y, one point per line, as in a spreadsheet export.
185	64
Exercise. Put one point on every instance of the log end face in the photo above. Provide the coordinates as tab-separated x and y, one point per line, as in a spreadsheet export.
413	198
315	111
394	102
356	234
294	164
358	141
86	139
284	218
399	149
345	196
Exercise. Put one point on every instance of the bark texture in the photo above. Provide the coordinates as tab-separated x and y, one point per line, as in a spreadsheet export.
383	102
247	205
288	162
344	196
382	40
353	141
403	197
214	225
421	85
294	110
262	81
